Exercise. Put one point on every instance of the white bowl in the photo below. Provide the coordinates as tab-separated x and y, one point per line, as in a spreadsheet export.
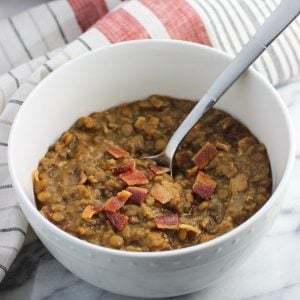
127	72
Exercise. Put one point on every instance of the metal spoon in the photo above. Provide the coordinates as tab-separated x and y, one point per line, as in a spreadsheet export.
283	15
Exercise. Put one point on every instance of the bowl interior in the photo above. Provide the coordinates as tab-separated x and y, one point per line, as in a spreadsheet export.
131	71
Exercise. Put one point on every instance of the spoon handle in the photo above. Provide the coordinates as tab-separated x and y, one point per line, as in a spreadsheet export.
282	16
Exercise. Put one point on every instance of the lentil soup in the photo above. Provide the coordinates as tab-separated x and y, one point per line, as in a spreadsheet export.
92	184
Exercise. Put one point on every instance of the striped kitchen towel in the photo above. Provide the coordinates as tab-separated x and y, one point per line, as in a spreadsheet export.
38	41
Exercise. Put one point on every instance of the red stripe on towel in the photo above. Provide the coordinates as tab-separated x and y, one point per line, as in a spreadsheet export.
88	12
180	20
120	26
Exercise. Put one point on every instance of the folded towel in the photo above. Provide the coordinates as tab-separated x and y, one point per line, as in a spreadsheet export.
38	41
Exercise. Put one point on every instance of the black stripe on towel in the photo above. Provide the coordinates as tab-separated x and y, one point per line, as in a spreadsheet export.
57	23
5	122
226	32
13	229
213	25
37	27
4	268
3	144
14	78
253	18
19	102
19	37
280	45
6	186
84	43
49	69
272	51
287	38
262	58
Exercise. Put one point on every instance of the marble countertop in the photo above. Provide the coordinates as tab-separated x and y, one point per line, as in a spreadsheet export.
272	272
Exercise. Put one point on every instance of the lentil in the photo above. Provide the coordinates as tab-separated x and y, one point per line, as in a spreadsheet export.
222	177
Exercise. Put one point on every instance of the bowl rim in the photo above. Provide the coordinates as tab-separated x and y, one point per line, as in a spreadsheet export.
24	200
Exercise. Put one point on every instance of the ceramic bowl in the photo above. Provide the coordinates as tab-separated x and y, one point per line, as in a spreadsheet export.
127	72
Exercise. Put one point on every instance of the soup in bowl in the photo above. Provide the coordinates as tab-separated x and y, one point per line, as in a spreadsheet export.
185	261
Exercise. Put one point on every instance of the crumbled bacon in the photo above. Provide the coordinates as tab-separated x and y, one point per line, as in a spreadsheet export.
116	202
204	186
89	211
138	194
158	170
127	167
117	220
106	166
124	195
116	152
167	221
134	178
150	175
113	204
192	172
188	227
205	155
160	193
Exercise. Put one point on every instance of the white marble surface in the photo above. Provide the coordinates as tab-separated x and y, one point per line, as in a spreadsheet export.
271	273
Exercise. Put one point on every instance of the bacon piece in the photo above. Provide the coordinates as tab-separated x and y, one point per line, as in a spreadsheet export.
124	195
204	186
167	221
128	167
205	155
116	202
150	175
116	219
188	227
89	211
113	204
134	178
160	193
116	152
192	172
158	170
173	188
106	166
138	194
